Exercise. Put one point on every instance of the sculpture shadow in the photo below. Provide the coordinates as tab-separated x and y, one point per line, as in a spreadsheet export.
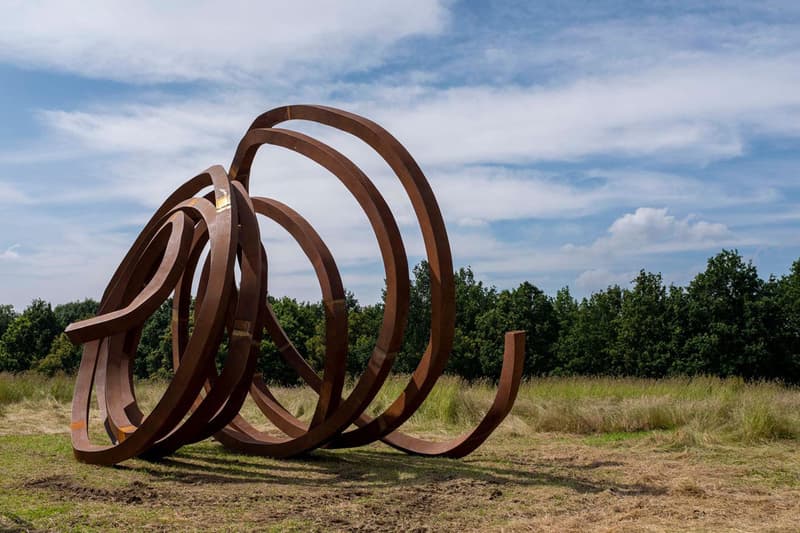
375	469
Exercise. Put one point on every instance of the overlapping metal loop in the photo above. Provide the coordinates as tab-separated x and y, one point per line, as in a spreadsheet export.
201	401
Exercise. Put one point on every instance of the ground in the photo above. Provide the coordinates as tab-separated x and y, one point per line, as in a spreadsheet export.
551	482
575	455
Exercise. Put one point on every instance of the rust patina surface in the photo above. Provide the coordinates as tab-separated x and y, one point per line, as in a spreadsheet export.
202	402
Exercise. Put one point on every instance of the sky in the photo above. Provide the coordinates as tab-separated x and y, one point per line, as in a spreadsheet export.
569	143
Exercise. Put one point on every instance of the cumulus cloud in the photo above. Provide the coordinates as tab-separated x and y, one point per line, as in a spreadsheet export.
651	229
631	241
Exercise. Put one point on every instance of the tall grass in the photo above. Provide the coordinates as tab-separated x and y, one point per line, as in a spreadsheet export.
16	388
704	408
686	410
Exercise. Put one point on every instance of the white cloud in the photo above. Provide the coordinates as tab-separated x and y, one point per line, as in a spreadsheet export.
648	224
496	193
234	41
146	168
633	240
694	112
638	106
702	111
651	230
145	129
10	253
621	43
62	259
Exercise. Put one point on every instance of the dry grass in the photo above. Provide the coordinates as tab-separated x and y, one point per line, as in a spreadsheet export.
693	411
34	387
576	455
710	409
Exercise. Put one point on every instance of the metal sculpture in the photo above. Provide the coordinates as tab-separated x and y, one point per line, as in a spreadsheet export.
201	401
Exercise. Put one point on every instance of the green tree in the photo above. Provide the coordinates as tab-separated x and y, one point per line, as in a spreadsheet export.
677	304
771	328
71	312
303	323
154	353
63	357
28	338
524	308
565	309
473	298
364	323
725	320
784	341
587	346
418	326
16	345
644	344
7	315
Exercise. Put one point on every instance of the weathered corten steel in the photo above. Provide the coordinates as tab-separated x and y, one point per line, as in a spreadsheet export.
201	401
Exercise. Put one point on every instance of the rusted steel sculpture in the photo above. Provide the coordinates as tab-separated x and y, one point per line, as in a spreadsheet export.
201	401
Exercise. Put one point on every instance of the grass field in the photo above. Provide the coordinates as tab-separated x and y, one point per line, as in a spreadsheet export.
576	454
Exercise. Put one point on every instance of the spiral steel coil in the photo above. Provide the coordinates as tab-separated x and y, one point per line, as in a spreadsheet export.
202	401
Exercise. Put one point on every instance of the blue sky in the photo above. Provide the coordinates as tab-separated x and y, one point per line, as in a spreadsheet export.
568	143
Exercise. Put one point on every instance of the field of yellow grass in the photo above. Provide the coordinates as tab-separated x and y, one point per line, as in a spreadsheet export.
597	454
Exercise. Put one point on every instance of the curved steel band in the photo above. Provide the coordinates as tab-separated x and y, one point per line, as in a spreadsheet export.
202	400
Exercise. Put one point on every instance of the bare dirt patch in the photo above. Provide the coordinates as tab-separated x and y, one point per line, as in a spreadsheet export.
62	487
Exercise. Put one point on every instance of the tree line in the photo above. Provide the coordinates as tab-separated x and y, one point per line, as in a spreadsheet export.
726	322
